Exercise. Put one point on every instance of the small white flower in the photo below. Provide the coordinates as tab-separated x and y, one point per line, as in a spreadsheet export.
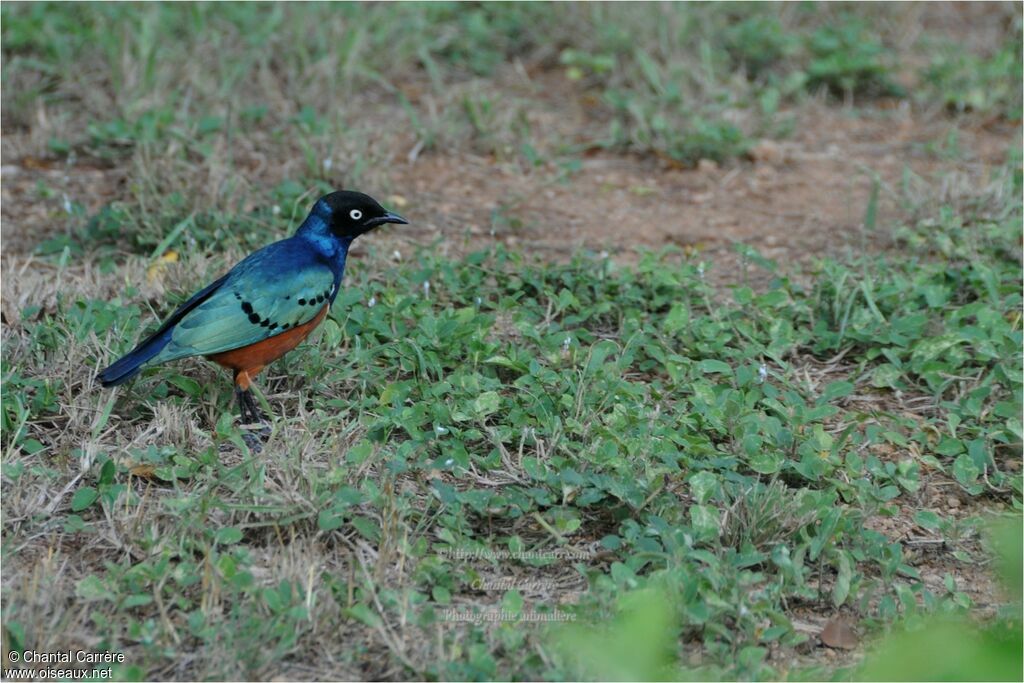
449	462
604	254
700	270
397	255
275	210
426	288
565	344
762	373
328	163
372	302
440	431
479	301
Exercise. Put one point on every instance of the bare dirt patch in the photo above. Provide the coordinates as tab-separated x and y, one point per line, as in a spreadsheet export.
799	198
795	199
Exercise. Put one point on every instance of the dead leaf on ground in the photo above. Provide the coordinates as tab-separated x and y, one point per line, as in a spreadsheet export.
143	471
838	634
36	163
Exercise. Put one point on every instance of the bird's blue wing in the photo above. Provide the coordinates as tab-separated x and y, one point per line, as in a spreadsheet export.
264	295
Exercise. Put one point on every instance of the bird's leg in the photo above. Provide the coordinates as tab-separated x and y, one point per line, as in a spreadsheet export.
251	413
255	413
243	405
243	398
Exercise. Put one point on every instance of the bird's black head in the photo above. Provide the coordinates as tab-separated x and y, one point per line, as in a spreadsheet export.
350	214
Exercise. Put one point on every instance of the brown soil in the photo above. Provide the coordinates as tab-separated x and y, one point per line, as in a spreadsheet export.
803	197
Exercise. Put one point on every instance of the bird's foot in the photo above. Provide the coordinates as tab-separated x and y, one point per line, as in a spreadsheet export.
253	441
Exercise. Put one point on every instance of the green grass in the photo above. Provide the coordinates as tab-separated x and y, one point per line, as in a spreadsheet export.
966	82
704	81
701	439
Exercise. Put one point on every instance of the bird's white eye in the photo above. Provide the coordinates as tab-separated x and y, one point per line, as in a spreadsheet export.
355	214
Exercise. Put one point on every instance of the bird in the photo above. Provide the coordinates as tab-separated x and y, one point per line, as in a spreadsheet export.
266	304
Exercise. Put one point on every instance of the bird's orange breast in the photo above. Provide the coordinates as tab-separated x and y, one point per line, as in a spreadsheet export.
247	361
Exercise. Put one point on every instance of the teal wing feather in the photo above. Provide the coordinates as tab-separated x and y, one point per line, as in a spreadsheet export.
250	306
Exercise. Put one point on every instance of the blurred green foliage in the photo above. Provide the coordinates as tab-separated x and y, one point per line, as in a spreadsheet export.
958	648
639	643
966	82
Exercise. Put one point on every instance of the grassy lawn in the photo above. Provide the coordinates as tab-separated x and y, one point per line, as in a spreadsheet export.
505	456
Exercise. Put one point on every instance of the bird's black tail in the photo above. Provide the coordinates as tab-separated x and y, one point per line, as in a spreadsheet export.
126	367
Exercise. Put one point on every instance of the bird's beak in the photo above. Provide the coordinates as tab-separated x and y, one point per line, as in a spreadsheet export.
386	218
